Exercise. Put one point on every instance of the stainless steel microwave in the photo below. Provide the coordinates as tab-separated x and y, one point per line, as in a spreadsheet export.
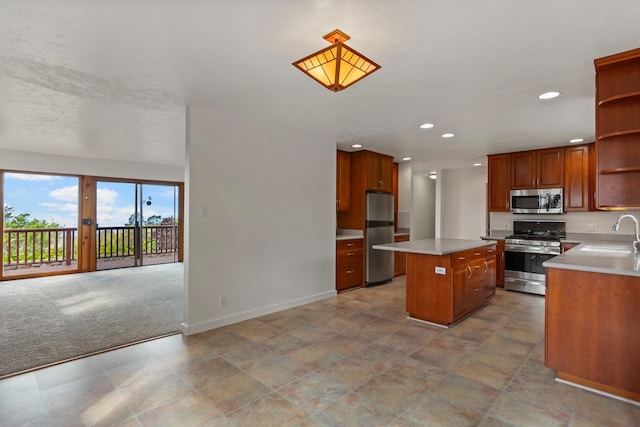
539	201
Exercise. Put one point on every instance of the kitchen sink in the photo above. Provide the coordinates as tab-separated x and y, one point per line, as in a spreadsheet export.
610	249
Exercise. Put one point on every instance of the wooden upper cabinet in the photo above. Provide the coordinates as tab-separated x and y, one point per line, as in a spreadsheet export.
618	130
379	172
343	181
537	169
578	182
499	169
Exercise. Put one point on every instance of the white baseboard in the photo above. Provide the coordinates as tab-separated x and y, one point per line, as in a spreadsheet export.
187	329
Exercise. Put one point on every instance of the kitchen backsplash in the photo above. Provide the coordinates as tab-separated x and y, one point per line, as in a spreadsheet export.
576	222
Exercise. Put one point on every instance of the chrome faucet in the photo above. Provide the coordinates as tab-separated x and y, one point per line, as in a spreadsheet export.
636	242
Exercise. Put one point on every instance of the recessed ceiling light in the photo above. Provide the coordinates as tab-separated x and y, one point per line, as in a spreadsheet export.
426	125
433	176
576	140
447	135
406	158
477	164
549	95
356	145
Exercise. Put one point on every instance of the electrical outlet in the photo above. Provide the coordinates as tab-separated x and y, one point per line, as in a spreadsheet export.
592	228
223	302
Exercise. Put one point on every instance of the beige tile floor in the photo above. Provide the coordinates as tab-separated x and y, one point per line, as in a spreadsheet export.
350	360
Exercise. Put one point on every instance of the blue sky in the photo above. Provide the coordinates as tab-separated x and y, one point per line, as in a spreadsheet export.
55	199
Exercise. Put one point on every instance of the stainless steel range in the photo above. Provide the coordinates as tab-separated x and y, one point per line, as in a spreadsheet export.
531	244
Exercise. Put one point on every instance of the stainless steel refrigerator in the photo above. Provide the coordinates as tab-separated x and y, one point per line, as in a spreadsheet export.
378	230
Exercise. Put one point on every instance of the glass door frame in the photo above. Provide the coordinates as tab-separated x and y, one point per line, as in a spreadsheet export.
138	220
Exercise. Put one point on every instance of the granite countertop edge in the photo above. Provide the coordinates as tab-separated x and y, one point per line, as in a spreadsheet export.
597	262
435	246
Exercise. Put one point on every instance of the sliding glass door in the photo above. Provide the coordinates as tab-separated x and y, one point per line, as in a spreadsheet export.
40	224
136	224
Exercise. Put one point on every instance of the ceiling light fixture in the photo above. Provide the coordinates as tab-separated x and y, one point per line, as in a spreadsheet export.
448	135
406	159
549	95
337	66
433	176
426	126
477	164
356	145
575	140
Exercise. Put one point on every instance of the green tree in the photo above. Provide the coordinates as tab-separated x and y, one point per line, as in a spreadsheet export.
154	220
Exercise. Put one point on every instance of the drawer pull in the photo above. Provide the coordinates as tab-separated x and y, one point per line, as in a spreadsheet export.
461	258
350	244
349	271
477	254
350	254
476	289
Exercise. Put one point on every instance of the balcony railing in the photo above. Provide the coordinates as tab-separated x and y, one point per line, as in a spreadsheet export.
36	246
29	247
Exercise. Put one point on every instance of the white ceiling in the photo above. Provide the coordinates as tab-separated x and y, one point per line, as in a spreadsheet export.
111	79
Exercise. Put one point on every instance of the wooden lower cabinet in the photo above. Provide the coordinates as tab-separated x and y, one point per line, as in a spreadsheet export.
465	281
349	263
591	330
500	264
400	258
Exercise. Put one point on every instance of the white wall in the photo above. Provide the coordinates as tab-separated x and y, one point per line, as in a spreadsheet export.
423	209
405	198
267	240
463	195
33	162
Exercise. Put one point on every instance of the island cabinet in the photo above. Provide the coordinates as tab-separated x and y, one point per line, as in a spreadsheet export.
500	264
349	263
343	181
445	288
537	169
618	130
400	258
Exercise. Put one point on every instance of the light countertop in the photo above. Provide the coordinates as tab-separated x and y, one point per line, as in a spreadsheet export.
347	234
434	246
598	261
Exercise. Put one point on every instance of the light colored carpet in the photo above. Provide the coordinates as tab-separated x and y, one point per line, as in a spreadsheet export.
51	319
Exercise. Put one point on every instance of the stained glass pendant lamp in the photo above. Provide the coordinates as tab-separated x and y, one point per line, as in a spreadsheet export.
338	66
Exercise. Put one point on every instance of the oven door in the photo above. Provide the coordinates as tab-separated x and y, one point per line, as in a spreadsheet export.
523	267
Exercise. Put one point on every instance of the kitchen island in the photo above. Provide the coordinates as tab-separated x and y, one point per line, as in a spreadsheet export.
447	279
592	318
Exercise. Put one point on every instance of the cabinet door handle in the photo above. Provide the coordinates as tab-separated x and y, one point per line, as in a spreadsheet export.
349	271
476	289
350	254
486	266
470	272
338	203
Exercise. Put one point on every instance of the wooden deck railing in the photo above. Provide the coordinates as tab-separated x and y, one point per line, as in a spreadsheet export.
57	246
33	246
113	242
